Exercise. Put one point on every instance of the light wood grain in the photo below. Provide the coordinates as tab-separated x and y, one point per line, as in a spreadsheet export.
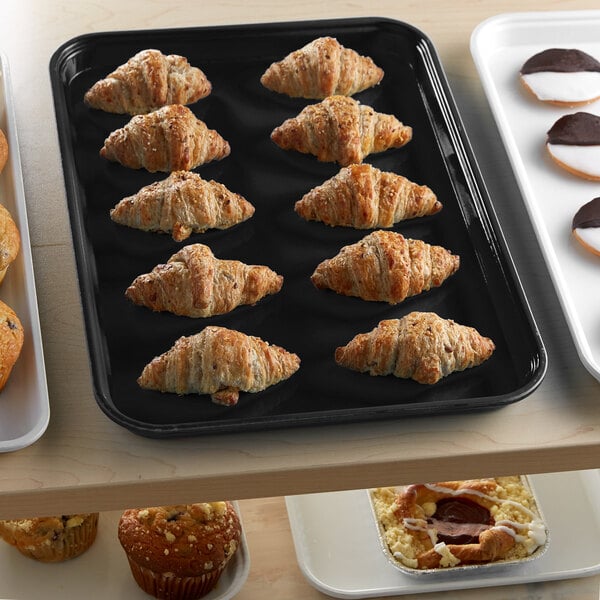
86	462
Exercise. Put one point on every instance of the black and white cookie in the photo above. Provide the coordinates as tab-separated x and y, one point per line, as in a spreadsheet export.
586	226
561	76
574	144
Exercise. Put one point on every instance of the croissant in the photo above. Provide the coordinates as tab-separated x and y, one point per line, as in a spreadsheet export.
194	283
340	129
385	266
363	197
322	68
181	204
146	82
220	362
170	138
421	346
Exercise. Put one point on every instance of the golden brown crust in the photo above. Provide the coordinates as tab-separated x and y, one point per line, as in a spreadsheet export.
170	138
455	523
10	241
386	267
3	150
194	283
322	68
185	540
148	81
340	129
182	204
363	197
492	544
11	341
421	346
51	539
220	362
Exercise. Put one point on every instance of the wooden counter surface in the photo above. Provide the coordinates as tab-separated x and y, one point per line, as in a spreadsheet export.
86	462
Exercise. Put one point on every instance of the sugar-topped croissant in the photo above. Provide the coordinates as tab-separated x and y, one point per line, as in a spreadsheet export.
421	346
170	138
363	197
220	362
385	266
194	283
340	129
148	81
322	68
182	204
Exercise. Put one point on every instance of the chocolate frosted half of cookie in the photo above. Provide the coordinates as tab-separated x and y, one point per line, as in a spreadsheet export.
574	144
586	226
562	76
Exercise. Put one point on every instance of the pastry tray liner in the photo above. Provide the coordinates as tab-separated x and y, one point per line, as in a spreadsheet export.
485	293
464	568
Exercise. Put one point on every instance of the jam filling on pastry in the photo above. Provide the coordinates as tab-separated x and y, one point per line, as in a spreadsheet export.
459	521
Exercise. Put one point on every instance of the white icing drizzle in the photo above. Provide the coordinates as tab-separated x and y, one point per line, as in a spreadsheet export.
535	528
585	159
590	235
580	86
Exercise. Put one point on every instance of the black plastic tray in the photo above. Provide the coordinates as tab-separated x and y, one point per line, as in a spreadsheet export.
122	338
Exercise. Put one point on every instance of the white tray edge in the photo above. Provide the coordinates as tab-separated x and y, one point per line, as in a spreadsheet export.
25	256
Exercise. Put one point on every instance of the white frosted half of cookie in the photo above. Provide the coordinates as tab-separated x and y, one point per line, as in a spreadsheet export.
590	236
583	159
581	86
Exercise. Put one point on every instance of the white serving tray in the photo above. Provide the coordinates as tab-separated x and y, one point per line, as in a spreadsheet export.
500	46
339	551
101	572
24	403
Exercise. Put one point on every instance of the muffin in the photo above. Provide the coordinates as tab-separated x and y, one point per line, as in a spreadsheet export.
3	150
179	552
11	341
10	241
51	539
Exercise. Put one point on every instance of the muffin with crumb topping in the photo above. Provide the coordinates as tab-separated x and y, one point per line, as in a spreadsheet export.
51	539
179	552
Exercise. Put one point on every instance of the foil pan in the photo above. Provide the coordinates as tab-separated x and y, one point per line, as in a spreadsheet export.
466	568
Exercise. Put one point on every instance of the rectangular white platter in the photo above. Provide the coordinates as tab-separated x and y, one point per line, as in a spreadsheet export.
24	402
100	572
500	46
339	551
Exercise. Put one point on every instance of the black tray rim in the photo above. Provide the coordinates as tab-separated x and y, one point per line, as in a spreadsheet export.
472	174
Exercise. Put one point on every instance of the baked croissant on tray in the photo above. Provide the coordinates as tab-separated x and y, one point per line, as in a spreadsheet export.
322	68
182	204
220	362
146	82
387	267
340	129
421	346
363	197
194	283
170	138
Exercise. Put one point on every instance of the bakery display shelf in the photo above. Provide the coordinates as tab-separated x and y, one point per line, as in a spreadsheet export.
339	550
485	293
103	567
500	46
24	402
